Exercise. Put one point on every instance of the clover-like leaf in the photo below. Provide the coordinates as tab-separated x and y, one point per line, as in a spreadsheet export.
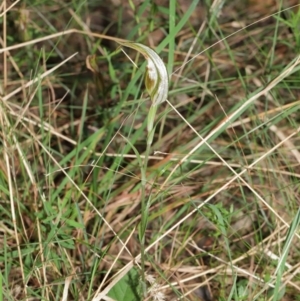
156	78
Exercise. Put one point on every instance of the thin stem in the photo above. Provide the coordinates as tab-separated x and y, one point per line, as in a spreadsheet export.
142	233
145	206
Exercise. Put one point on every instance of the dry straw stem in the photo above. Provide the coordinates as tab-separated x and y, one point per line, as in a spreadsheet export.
61	34
8	8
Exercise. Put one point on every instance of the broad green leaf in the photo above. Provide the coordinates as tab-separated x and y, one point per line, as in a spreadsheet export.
67	244
127	289
74	224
